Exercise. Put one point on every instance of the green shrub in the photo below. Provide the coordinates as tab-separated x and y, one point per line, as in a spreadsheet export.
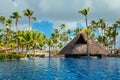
30	55
114	55
11	56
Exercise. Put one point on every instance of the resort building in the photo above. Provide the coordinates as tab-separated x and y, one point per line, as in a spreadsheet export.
83	45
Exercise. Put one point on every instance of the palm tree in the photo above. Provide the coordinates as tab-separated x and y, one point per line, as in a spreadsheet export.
26	40
50	44
99	39
21	42
9	23
69	32
63	26
102	25
109	33
118	21
16	16
85	12
64	37
94	25
35	36
89	31
7	37
55	37
77	30
29	14
99	25
115	33
1	39
3	20
60	45
42	42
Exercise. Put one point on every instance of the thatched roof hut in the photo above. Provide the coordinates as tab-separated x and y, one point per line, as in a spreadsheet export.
78	47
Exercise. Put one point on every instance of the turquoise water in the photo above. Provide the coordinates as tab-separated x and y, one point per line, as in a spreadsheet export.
61	69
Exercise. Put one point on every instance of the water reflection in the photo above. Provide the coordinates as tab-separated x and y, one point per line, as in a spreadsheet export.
61	69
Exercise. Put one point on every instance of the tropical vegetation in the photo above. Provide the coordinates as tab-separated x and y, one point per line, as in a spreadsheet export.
13	40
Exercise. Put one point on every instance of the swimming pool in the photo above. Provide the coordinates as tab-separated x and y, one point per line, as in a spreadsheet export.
61	69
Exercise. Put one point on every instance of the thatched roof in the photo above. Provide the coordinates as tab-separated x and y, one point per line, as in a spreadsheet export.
79	46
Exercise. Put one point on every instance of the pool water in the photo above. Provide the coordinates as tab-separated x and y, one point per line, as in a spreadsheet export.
60	69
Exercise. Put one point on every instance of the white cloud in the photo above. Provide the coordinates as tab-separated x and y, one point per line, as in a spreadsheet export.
63	11
69	25
20	27
15	4
113	4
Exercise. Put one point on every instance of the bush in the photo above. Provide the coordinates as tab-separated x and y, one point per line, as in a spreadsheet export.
11	56
30	55
114	55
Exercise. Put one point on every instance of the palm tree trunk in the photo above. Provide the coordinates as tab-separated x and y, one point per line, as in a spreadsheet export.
22	49
17	33
86	22
114	43
16	25
29	24
34	50
6	46
49	52
26	50
87	35
18	45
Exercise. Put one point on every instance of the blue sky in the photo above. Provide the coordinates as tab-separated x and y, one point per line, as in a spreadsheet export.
52	13
44	26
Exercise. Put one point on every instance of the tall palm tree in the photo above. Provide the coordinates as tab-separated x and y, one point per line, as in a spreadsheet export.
3	20
9	23
85	12
35	36
1	39
64	37
16	16
21	42
109	34
115	33
7	37
94	25
29	14
102	25
26	39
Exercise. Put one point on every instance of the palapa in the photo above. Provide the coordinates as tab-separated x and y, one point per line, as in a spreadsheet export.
78	46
